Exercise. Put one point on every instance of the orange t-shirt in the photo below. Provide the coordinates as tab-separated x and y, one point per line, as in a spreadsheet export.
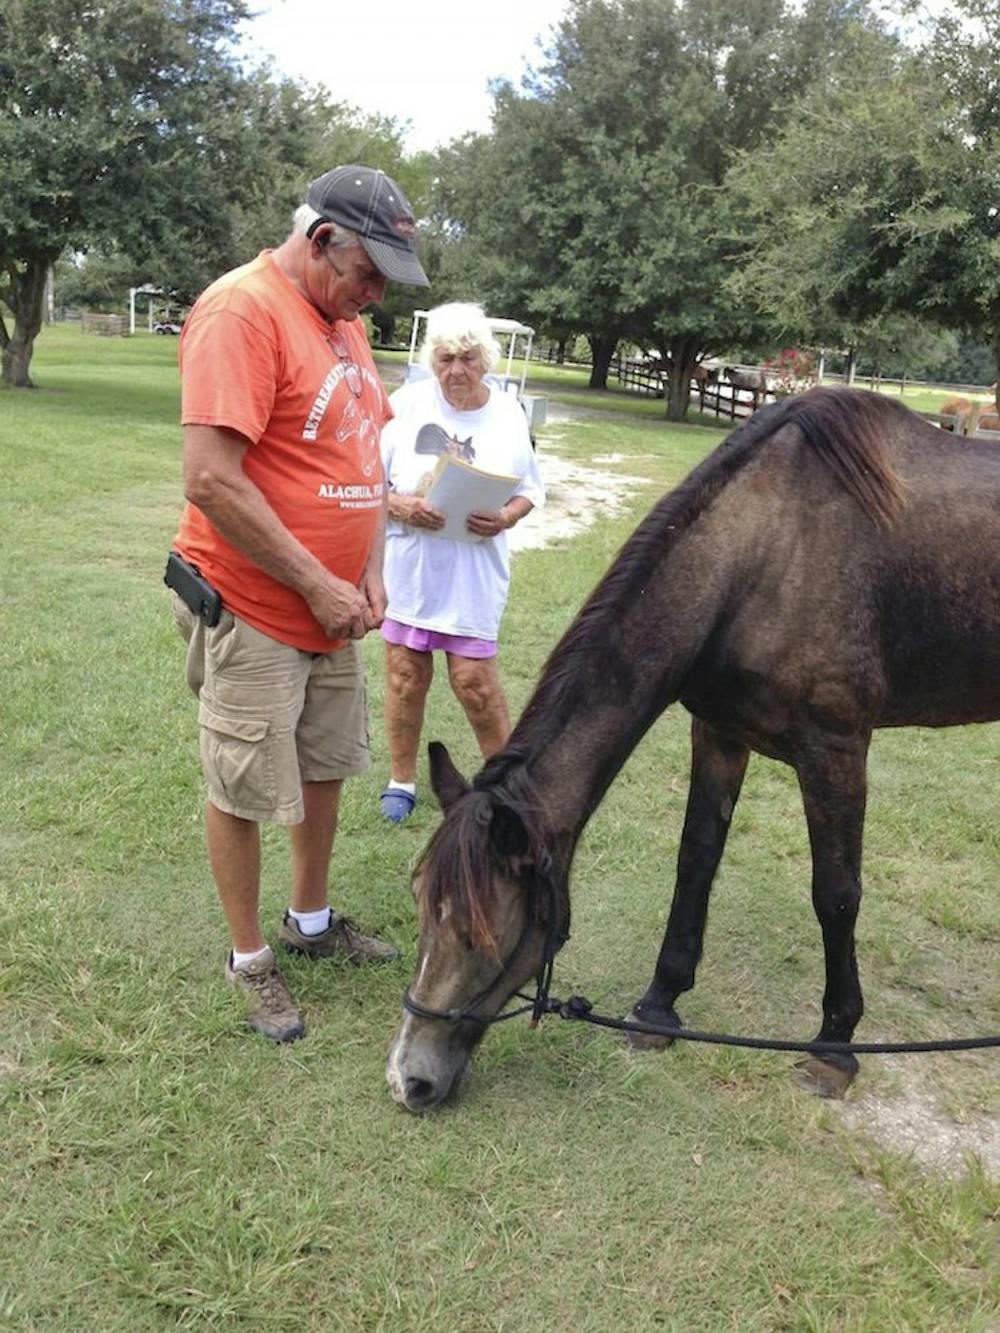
256	357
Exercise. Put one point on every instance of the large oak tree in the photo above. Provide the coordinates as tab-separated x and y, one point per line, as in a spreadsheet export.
121	121
600	203
881	194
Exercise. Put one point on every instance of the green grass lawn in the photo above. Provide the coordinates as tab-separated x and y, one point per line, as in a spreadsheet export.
165	1168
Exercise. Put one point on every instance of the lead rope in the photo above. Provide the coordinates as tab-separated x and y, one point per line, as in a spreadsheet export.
579	1009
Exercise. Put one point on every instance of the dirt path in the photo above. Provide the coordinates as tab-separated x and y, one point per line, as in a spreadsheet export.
576	496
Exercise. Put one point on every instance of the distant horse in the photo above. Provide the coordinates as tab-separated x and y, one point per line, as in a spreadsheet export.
755	380
703	375
964	407
832	567
955	407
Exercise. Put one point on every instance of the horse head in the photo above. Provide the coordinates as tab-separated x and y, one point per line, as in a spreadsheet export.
488	914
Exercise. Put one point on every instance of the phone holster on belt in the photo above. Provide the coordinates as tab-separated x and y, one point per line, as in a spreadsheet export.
194	591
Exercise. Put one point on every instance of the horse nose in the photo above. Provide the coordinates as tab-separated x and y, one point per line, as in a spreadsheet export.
419	1093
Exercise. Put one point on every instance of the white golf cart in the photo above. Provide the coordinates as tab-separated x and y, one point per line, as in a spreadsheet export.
505	331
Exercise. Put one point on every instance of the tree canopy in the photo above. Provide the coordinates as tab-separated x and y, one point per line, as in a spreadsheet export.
881	194
130	128
692	178
100	102
600	201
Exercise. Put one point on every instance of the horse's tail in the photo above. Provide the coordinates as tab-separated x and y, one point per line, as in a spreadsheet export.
852	432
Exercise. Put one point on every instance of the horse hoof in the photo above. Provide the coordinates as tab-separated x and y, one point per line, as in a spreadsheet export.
823	1078
652	1041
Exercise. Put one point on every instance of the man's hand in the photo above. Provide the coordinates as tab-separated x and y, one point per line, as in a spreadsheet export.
373	590
342	610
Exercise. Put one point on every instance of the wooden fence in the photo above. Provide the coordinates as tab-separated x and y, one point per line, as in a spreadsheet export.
725	400
107	325
642	375
720	398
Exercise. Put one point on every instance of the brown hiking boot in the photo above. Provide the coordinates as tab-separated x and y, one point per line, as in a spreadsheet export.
271	1010
341	938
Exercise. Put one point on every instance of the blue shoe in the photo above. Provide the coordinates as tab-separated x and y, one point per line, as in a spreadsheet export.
396	804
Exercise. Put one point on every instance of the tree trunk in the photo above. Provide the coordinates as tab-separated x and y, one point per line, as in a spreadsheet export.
561	351
996	365
602	349
683	357
851	366
25	294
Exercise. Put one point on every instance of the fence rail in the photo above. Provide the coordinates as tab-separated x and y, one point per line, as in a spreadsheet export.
107	325
641	375
725	400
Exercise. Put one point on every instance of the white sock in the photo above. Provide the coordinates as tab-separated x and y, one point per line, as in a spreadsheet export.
241	959
411	787
311	923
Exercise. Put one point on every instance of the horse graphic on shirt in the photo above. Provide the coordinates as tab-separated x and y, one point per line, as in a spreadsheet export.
433	439
358	424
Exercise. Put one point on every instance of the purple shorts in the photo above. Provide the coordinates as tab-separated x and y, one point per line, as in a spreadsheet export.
426	640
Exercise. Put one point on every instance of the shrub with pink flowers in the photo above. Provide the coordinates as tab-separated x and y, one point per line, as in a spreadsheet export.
790	371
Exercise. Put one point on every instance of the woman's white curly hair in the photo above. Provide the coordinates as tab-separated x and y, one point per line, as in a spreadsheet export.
458	327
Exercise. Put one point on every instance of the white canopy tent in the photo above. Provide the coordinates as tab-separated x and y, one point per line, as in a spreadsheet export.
133	292
505	330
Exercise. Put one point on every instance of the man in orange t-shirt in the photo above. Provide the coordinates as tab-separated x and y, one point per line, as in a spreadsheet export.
282	409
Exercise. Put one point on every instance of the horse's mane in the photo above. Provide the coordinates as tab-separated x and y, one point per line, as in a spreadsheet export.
848	430
853	432
499	825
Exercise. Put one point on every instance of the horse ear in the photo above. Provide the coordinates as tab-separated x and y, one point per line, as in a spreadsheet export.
447	782
509	836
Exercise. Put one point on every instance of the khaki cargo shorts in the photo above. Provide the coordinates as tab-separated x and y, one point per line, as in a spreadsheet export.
272	717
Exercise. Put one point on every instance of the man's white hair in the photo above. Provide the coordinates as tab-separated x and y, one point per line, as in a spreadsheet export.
340	237
459	326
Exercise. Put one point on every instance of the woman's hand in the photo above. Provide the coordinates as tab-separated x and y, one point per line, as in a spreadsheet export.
488	522
415	512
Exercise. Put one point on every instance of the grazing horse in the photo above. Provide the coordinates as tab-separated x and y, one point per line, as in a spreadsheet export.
832	567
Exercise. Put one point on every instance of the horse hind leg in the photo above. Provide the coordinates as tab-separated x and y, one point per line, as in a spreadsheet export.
718	767
833	786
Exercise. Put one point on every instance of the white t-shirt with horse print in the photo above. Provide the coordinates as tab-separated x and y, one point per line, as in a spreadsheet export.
432	582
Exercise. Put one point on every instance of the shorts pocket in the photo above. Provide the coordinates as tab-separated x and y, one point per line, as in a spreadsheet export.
221	639
183	618
237	754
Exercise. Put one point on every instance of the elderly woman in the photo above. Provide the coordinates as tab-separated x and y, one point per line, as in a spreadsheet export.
446	594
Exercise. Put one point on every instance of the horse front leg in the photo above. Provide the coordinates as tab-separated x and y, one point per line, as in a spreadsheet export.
718	766
833	784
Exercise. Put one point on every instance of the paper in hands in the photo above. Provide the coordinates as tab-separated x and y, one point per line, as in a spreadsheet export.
458	489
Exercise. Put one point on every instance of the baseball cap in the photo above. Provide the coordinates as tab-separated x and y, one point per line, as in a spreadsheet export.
370	203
